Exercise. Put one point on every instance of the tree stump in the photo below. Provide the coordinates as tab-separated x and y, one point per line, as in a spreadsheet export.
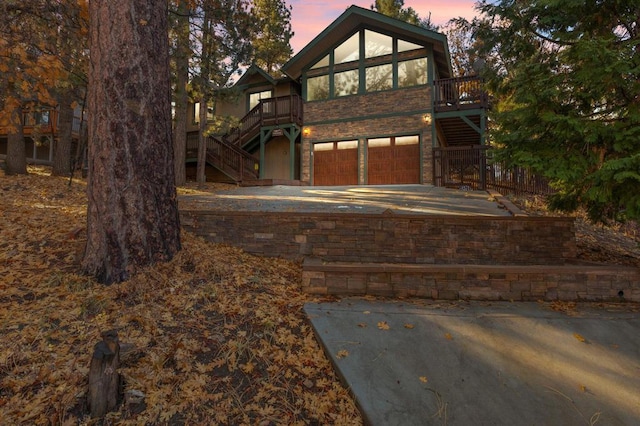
104	379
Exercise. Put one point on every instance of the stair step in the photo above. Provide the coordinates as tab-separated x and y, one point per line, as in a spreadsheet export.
473	282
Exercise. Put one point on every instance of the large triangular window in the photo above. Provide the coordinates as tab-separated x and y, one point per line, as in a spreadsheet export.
381	62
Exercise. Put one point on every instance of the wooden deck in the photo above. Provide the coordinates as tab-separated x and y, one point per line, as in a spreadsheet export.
459	93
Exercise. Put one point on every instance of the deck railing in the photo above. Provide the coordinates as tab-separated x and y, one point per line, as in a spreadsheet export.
232	160
269	112
473	167
459	93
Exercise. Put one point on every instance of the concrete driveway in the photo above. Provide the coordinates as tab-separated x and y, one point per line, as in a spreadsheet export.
407	199
479	363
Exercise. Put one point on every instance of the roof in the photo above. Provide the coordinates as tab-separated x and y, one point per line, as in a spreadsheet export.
355	18
250	72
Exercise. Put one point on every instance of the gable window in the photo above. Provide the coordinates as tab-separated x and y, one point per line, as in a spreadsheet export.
255	98
368	61
318	88
376	44
379	77
346	83
412	72
349	50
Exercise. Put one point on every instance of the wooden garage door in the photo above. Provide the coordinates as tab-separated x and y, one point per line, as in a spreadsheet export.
335	163
394	160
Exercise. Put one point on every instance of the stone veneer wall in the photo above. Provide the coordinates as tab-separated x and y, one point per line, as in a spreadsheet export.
416	239
474	282
388	113
441	257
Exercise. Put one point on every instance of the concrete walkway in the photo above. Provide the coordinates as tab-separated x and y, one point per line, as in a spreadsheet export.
459	363
407	199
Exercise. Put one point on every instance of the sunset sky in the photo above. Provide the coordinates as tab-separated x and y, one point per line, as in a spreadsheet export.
310	17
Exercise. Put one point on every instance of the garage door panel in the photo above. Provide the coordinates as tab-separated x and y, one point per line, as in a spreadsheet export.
338	166
395	163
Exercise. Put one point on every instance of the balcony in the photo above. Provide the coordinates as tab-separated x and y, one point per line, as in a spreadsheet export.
459	93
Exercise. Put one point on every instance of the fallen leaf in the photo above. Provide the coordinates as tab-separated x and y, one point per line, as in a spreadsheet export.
423	379
362	324
579	337
409	326
248	367
366	312
382	325
342	354
448	336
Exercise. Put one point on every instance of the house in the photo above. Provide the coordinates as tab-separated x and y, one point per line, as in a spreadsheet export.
371	100
368	101
40	129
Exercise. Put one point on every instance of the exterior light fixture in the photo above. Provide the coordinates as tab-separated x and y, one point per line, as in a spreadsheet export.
426	118
306	131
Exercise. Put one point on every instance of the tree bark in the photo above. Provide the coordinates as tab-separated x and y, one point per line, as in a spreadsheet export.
181	95
16	156
202	143
104	379
132	218
62	155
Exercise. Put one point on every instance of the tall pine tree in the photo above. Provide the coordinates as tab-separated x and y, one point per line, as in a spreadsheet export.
272	38
566	75
396	9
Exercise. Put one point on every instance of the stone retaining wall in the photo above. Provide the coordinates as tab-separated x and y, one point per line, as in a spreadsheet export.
439	257
474	282
391	238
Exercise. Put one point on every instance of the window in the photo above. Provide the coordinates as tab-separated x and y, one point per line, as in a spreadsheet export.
379	78
255	98
325	146
412	72
347	145
376	44
349	50
318	88
324	62
41	117
407	140
387	63
405	46
378	142
346	83
196	113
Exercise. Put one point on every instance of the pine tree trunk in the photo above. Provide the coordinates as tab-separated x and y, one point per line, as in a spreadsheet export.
181	96
16	156
132	212
202	143
62	154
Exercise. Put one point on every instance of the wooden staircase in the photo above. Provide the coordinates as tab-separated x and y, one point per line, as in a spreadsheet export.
227	152
232	160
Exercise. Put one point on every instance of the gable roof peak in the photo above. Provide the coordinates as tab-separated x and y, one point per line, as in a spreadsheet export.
355	18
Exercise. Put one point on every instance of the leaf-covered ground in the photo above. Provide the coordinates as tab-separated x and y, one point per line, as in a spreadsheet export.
615	243
215	336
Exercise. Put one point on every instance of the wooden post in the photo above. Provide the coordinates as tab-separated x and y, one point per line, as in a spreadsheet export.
103	375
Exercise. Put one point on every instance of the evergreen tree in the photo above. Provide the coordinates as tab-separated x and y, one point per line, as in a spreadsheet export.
396	9
271	40
566	76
